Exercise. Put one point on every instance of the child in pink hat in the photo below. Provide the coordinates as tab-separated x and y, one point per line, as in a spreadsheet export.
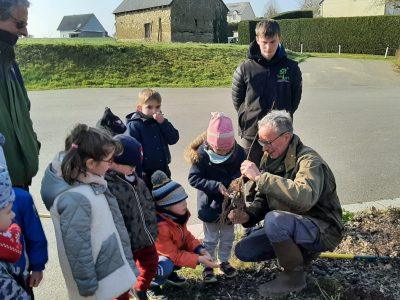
216	160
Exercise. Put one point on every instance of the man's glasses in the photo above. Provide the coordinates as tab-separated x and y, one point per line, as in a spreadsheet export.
18	23
269	143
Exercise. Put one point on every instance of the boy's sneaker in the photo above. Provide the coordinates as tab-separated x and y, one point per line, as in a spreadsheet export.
156	292
140	295
228	270
176	280
209	276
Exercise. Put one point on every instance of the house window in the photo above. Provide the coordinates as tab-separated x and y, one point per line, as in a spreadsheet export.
147	31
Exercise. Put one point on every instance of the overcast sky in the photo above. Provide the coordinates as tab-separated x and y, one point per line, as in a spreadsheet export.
46	15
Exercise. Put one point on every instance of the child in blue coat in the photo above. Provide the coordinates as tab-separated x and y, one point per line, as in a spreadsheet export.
216	160
35	255
151	129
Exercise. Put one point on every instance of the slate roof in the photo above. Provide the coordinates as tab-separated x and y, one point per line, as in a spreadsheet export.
239	7
74	22
133	5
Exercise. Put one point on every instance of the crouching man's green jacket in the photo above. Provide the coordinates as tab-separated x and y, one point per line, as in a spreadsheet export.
301	182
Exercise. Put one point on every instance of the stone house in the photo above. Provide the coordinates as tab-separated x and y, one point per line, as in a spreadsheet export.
86	25
357	8
201	21
240	11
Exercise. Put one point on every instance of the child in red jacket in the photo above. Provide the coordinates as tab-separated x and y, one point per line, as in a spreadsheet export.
176	246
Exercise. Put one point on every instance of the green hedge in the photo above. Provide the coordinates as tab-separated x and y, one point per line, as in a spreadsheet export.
295	14
363	35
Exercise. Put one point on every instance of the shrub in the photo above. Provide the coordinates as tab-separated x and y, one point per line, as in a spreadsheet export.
363	35
295	14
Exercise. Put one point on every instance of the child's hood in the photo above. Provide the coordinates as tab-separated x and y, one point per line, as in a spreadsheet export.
192	154
52	183
135	116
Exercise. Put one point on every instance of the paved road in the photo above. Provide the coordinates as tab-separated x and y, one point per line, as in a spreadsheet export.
349	113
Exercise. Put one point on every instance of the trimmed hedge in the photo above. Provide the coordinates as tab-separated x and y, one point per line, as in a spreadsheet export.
295	14
361	35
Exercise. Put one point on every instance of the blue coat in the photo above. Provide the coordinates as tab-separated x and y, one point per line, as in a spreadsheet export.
33	238
206	177
154	138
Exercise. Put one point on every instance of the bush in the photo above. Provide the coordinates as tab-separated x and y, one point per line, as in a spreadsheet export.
296	14
362	35
398	57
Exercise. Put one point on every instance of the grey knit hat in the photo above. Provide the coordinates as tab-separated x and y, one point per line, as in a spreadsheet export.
166	192
7	195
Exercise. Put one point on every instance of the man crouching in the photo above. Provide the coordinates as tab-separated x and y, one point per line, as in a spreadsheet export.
296	197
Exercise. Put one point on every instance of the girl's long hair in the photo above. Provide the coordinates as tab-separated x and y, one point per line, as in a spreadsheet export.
83	143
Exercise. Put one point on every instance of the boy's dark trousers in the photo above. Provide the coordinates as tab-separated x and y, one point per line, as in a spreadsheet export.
146	260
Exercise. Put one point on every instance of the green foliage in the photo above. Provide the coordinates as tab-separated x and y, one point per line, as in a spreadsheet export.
363	35
66	63
347	216
295	14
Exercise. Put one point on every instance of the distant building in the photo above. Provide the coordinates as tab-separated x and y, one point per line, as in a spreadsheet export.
356	8
81	26
172	20
240	11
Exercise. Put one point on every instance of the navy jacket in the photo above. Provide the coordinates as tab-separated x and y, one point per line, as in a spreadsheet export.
33	238
260	85
154	138
206	177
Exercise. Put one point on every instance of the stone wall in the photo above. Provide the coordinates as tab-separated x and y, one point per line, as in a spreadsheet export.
201	21
131	25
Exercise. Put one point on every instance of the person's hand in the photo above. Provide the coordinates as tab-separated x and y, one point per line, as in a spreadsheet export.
204	252
159	117
207	262
222	189
35	278
238	216
250	170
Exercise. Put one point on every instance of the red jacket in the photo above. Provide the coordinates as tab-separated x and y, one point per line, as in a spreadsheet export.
10	244
177	243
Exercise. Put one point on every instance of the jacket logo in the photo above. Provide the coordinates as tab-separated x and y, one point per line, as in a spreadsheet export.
283	75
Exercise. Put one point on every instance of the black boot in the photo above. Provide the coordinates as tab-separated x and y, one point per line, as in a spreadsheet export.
293	278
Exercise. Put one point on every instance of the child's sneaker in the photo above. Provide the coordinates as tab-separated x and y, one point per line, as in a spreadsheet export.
140	295
176	280
209	276
227	269
156	292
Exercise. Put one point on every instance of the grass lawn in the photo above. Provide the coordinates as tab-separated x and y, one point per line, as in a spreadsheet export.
75	63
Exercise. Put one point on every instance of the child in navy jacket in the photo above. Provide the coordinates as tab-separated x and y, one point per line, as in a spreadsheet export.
149	127
216	160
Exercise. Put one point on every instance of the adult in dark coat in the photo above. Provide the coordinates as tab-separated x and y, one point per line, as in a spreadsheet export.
267	80
22	147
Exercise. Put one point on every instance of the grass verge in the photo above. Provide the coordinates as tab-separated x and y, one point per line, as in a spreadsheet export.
77	63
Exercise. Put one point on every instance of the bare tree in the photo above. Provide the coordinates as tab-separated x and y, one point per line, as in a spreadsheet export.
313	5
271	9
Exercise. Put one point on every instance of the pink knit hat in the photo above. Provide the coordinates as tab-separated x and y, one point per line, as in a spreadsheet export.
220	131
